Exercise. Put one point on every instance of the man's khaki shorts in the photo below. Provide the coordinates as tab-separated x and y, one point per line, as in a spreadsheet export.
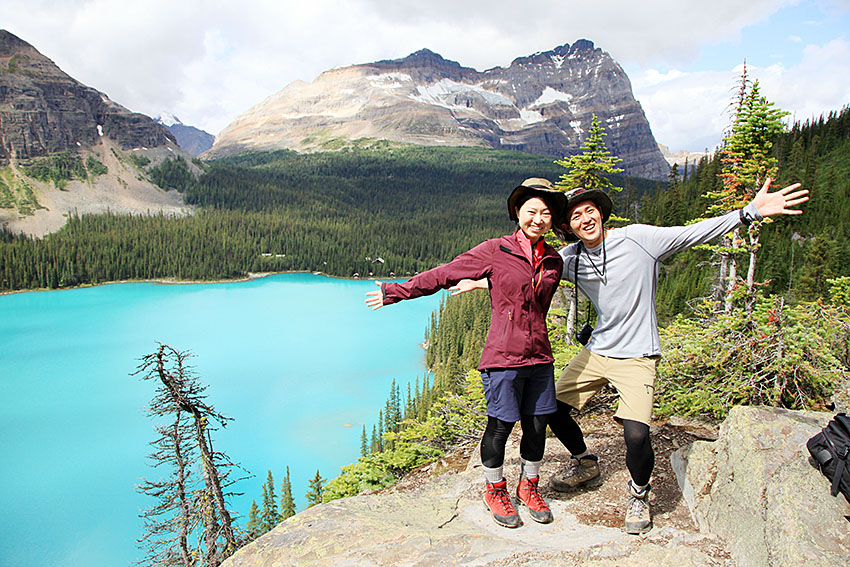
633	378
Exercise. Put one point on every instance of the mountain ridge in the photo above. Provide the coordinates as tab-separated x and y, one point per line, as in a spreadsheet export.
542	104
44	111
192	139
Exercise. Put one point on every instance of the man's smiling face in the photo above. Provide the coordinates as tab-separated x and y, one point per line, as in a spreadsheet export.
585	221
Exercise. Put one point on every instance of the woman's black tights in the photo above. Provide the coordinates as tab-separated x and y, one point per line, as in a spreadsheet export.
496	434
640	458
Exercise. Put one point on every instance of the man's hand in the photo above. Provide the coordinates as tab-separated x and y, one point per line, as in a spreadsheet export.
777	203
468	285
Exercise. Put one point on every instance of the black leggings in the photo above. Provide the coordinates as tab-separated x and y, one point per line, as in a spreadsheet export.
640	458
495	437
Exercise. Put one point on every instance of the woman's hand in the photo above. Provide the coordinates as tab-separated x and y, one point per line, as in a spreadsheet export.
375	299
468	285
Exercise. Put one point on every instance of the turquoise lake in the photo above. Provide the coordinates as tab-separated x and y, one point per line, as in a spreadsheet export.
297	360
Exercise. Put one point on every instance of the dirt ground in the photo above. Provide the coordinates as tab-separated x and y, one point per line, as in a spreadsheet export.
604	504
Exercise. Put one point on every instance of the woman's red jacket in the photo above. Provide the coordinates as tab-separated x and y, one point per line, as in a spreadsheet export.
520	295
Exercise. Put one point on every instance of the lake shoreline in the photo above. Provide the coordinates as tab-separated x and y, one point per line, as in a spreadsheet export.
170	281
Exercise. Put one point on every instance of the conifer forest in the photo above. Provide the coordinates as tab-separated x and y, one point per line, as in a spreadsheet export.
393	211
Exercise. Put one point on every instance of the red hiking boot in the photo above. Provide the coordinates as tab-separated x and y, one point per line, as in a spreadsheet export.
499	502
528	495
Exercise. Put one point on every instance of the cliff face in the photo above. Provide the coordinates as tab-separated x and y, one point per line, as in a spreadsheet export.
44	111
754	497
540	104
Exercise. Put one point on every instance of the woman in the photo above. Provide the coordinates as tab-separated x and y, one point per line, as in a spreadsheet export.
522	274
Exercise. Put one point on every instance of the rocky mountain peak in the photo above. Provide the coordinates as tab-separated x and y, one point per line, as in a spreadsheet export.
17	57
581	48
44	111
11	44
425	65
543	103
423	58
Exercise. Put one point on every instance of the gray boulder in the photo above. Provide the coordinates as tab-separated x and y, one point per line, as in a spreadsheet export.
755	488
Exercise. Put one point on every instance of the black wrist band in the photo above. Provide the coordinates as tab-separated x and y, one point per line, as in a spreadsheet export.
745	218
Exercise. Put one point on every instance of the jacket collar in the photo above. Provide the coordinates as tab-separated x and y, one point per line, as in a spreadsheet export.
511	244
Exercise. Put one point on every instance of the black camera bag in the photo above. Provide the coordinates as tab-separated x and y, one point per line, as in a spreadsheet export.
830	450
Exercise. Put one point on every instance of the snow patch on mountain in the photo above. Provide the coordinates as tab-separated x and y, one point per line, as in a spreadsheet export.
167	119
439	93
549	96
391	80
530	116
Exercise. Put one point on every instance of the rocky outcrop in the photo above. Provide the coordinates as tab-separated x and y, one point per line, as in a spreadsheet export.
755	488
540	104
44	111
444	522
756	500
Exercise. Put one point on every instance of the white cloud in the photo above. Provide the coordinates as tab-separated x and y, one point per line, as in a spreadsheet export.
209	61
691	110
687	111
819	84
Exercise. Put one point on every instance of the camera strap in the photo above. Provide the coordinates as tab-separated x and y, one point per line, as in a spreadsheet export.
575	283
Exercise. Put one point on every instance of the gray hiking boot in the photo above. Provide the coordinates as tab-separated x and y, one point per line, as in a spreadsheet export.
579	473
638	517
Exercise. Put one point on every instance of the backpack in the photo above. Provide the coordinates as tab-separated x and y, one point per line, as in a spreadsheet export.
830	450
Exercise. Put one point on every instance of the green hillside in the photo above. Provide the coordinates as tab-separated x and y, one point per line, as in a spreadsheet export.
378	209
382	210
798	254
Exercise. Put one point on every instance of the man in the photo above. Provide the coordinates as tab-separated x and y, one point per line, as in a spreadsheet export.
617	270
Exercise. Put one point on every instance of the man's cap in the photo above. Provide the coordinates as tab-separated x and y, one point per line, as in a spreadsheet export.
537	187
575	196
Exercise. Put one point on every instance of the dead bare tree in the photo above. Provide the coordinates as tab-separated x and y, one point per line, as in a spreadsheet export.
191	502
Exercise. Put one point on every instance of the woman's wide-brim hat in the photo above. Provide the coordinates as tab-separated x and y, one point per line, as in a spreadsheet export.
575	196
537	187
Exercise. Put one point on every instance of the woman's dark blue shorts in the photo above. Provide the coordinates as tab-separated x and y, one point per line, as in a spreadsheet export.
514	392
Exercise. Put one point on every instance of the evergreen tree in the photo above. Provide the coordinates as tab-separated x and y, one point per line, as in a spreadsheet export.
364	446
287	503
590	166
373	444
314	494
269	514
381	429
747	164
254	527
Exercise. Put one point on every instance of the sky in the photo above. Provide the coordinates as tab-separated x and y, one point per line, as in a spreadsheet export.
208	61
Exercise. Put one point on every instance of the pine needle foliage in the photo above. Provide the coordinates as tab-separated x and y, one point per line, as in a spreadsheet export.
593	165
790	356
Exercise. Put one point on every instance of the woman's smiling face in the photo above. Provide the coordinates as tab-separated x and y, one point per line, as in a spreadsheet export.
535	218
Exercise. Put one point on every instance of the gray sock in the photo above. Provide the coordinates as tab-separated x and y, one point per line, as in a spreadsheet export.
530	469
493	475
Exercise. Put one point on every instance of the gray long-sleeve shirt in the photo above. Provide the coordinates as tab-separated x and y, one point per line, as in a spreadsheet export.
624	293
